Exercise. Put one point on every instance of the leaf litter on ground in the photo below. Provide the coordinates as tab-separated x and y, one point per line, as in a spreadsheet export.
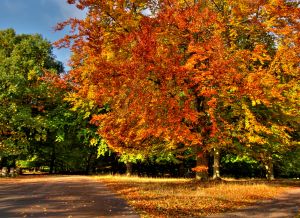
172	197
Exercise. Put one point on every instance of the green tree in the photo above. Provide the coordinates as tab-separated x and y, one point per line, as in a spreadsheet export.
23	61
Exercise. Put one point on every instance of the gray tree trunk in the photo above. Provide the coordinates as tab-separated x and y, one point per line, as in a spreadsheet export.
12	172
269	169
128	169
216	166
4	172
52	161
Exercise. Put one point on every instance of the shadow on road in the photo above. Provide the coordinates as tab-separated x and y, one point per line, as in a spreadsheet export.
64	196
287	205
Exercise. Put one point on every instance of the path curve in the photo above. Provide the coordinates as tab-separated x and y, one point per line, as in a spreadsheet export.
285	206
60	196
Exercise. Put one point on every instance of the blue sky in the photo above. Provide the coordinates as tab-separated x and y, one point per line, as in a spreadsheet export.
38	16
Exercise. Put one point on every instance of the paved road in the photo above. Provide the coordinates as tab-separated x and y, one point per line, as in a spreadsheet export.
286	206
60	196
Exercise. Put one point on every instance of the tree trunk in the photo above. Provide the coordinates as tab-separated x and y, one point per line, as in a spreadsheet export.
52	161
202	166
4	172
216	166
181	170
269	169
128	168
3	162
201	156
88	164
12	172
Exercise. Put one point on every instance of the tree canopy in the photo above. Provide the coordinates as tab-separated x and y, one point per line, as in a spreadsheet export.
204	73
23	100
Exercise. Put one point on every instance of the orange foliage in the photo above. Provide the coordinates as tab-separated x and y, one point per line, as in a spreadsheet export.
171	75
201	168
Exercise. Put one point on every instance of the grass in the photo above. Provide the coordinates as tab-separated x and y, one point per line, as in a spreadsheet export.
157	197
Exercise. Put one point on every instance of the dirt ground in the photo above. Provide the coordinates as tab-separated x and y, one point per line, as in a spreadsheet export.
60	196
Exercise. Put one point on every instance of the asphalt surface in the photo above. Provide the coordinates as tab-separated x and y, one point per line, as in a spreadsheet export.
285	206
60	196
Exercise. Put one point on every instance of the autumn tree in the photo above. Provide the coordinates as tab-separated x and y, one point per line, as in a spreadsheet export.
266	126
198	73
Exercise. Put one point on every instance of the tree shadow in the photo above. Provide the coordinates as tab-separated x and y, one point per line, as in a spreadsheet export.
61	198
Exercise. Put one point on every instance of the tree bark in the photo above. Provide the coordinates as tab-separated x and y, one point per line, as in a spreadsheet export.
216	166
202	161
4	171
269	169
181	170
52	161
88	164
128	169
